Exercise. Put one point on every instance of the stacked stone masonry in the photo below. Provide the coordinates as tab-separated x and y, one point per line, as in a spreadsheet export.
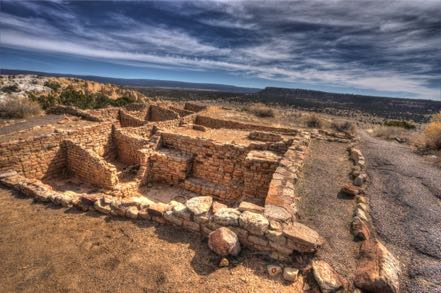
259	178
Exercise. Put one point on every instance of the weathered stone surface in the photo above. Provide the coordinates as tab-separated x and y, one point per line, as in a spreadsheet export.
378	270
360	229
199	205
277	213
290	274
224	242
157	209
359	180
302	238
180	210
217	206
170	216
255	223
132	212
105	209
273	270
327	278
250	207
349	189
360	214
227	217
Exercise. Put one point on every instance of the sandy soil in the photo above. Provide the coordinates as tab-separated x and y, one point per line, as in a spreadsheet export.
47	249
322	207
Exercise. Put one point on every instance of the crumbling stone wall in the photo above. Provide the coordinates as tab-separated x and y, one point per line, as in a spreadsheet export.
170	166
181	112
42	156
89	166
74	111
157	113
264	136
128	120
259	169
194	107
106	114
128	145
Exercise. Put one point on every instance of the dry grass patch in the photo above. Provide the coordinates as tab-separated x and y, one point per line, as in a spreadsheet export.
343	126
314	121
16	107
261	110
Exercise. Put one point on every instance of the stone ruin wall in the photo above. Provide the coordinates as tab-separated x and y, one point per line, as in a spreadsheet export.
89	166
43	156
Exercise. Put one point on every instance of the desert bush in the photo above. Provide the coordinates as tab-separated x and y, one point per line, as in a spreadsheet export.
389	132
261	110
10	89
52	85
313	121
343	126
399	123
19	107
432	135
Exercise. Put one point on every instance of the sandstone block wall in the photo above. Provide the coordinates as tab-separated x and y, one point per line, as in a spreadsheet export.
60	109
157	113
259	169
89	166
170	166
181	112
128	145
43	157
128	120
264	136
194	107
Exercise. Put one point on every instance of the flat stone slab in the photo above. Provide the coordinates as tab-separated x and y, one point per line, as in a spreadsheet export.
303	238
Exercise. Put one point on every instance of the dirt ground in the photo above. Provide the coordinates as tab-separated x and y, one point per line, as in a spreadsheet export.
49	249
322	207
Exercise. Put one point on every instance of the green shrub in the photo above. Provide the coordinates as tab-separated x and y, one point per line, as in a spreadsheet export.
19	108
10	89
52	85
399	123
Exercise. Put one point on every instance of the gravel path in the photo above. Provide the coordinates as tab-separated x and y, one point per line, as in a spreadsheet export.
322	207
405	192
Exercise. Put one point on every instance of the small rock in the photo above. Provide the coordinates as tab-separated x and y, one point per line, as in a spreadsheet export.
290	274
224	262
199	205
327	278
302	238
132	212
217	206
273	270
224	242
360	179
361	199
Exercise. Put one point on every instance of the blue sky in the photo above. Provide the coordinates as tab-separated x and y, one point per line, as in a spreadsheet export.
387	48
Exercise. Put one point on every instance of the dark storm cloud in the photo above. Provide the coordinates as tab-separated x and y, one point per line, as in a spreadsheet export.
388	46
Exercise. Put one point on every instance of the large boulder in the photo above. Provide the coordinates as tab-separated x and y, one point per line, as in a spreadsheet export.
199	205
327	278
224	242
255	223
378	270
